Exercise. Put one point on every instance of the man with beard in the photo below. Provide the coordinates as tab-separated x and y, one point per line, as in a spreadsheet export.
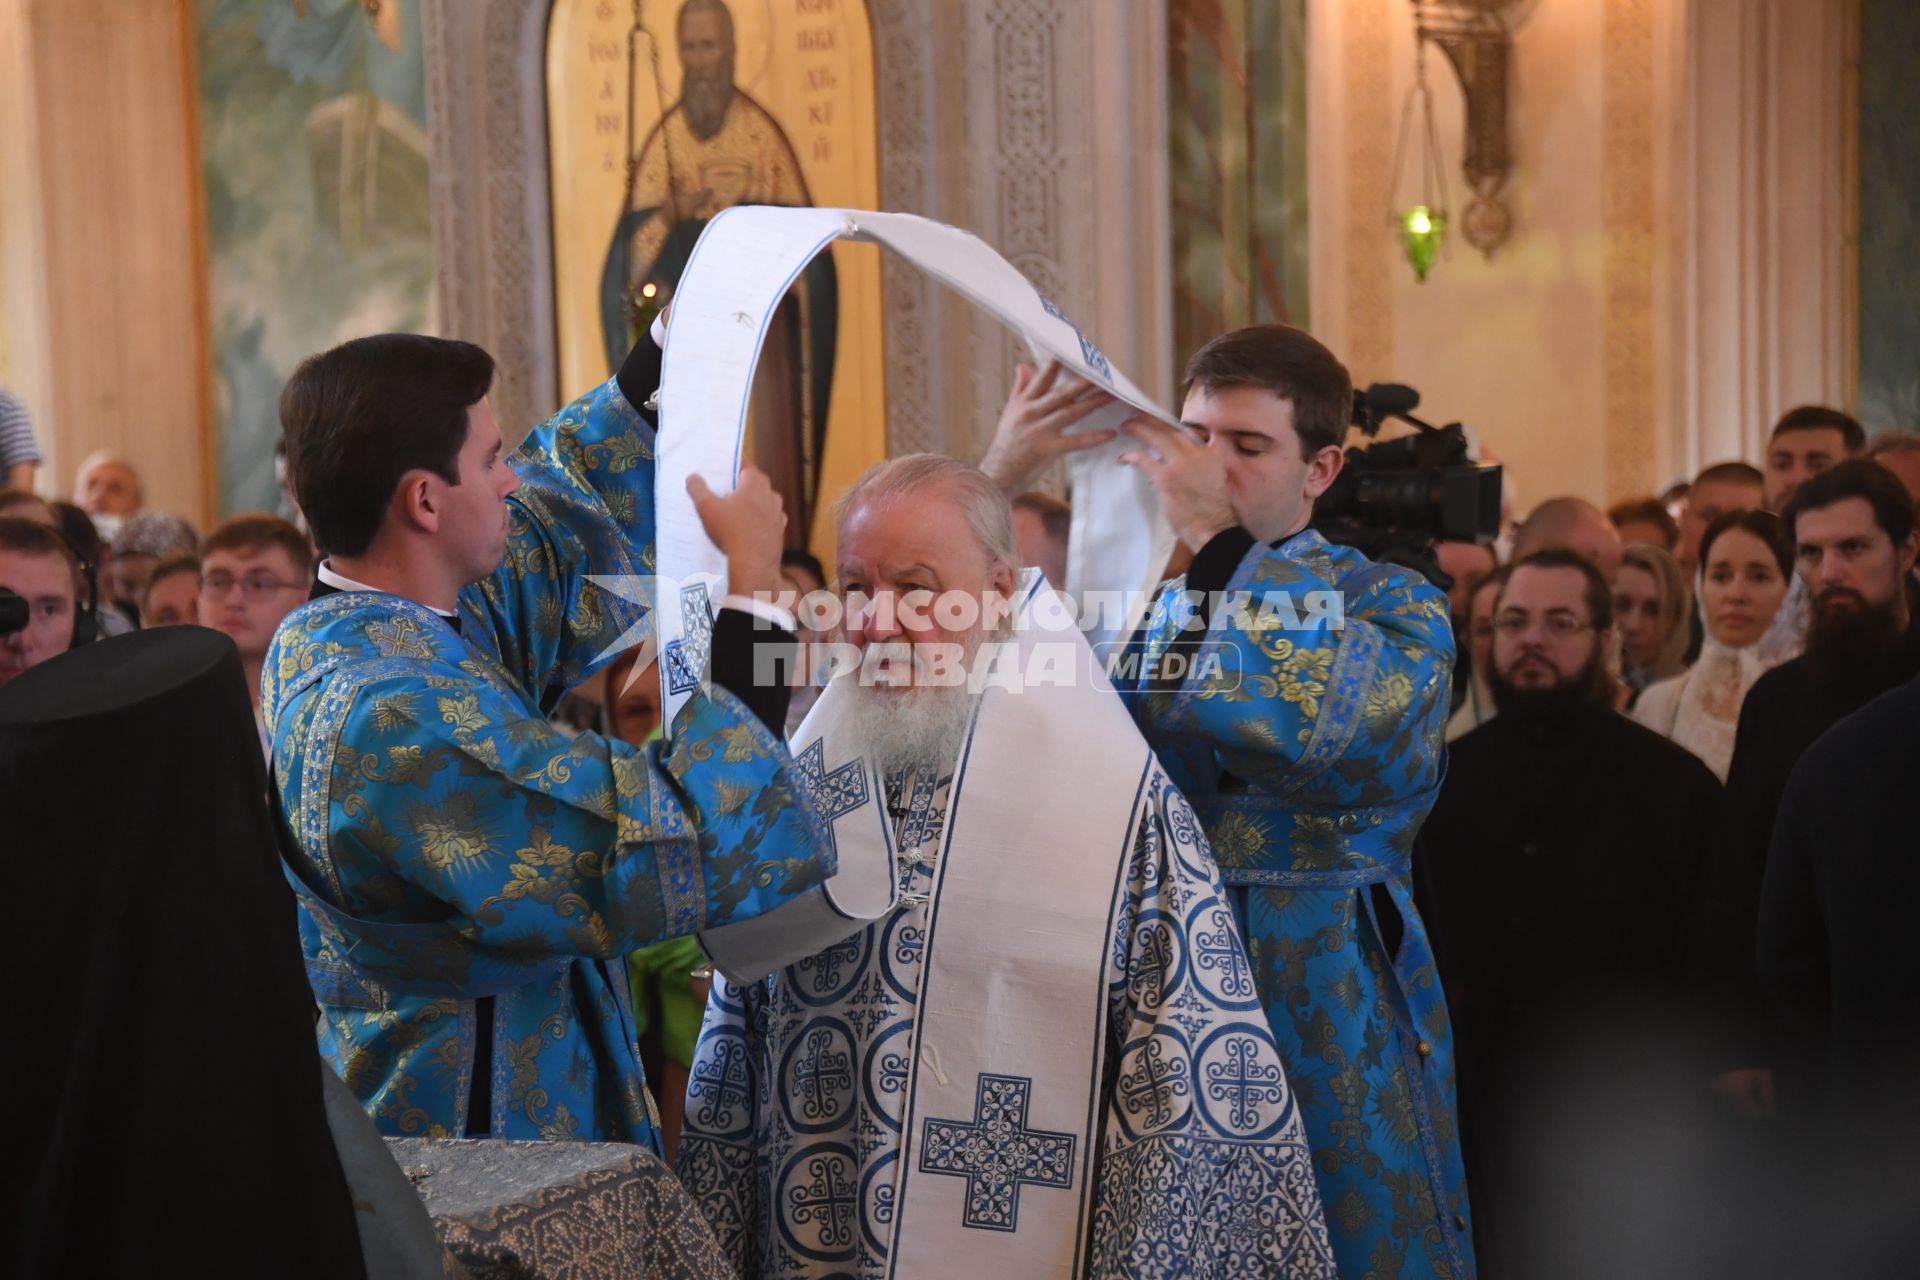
716	148
1048	1057
1559	863
1853	529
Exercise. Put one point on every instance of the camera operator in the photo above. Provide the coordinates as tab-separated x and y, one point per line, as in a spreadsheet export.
39	595
1312	752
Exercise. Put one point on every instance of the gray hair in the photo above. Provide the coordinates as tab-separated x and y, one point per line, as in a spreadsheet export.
988	513
156	534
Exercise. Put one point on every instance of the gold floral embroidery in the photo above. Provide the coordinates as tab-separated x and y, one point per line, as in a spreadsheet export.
1390	696
1297	676
730	797
1239	839
463	713
449	832
740	744
392	711
542	851
413	763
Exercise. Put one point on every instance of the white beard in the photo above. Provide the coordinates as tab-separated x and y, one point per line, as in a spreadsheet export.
921	727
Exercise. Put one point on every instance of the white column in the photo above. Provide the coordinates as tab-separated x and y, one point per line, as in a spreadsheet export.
1766	305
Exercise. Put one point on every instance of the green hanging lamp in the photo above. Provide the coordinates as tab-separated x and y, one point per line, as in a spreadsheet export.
1421	222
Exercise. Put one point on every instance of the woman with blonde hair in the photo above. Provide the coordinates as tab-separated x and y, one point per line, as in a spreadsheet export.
1651	606
1746	562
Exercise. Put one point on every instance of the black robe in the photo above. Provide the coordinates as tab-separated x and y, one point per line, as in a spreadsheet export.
1836	954
168	1112
1837	958
1784	712
1560	867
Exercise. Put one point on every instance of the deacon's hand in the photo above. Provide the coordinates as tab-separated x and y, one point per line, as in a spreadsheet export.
1190	478
749	527
1033	427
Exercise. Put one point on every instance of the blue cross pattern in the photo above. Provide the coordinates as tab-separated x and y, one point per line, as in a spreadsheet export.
1220	952
686	657
834	792
1243	1083
996	1152
828	962
1147	971
1153	1085
820	1073
828	1200
720	1082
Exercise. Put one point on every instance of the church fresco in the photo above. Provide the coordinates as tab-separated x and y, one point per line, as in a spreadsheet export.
313	129
662	114
1889	236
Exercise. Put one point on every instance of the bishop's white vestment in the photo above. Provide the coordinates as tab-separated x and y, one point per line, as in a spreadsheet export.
1048	1058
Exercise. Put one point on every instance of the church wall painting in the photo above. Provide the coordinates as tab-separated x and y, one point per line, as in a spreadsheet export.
313	127
1889	233
1237	151
661	114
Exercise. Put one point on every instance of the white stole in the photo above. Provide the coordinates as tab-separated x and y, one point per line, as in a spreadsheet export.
1002	1112
1002	1116
742	266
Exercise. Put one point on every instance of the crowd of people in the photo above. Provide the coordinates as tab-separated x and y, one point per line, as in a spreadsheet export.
1641	916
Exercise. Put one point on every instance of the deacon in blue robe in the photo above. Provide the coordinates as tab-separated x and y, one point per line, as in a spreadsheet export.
470	880
1312	756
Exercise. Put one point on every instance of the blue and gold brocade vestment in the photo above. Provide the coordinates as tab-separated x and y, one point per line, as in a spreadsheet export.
1312	755
459	860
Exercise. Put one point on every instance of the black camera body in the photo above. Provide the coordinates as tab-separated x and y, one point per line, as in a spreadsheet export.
1394	499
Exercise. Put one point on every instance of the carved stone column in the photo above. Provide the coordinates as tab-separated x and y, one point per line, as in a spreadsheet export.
492	237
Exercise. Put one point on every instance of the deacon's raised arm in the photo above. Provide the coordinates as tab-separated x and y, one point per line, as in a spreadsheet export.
584	509
461	864
1273	658
1296	692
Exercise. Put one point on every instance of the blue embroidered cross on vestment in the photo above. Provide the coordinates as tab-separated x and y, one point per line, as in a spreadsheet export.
996	1152
834	792
686	658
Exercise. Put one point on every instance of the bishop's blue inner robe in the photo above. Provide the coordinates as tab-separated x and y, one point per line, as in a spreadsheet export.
459	858
1312	756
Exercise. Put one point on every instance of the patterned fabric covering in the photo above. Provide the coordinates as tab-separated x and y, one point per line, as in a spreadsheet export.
454	846
794	1108
585	1211
1313	756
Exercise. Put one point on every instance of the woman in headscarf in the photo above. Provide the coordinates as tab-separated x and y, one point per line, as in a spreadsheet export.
1746	563
1651	605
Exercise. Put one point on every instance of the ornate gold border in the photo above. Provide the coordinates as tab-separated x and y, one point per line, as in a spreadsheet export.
1368	231
1628	234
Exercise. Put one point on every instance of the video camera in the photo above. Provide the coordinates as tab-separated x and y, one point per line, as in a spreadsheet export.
1394	499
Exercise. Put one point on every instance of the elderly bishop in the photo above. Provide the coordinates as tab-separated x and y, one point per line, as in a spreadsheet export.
1047	1057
